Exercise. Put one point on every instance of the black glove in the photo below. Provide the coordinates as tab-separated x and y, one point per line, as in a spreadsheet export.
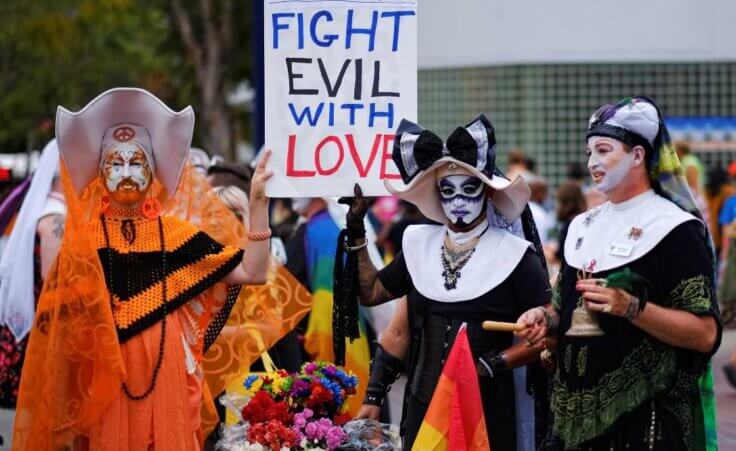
490	363
385	369
356	215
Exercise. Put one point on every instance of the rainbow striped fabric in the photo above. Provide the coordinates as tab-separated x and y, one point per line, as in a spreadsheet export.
454	420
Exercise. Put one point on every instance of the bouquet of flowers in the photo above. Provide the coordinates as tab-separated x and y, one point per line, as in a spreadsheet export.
299	410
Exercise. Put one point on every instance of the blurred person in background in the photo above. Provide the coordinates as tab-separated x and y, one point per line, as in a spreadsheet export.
200	160
692	167
9	210
544	220
727	287
234	199
727	212
594	197
577	172
570	203
230	174
727	227
718	189
239	175
284	219
392	235
696	178
32	248
517	165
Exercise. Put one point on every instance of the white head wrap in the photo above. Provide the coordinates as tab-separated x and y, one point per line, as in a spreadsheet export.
17	303
123	135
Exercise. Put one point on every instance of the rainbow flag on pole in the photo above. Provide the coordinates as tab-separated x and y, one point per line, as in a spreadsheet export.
454	420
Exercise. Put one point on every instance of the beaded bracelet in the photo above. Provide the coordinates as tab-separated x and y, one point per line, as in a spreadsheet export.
355	248
259	236
634	308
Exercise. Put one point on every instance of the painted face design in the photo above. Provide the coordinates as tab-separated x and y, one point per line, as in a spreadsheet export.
463	198
127	173
609	162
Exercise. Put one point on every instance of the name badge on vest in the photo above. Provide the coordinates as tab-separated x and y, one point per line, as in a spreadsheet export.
620	250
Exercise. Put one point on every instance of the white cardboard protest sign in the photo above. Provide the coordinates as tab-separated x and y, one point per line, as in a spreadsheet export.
339	77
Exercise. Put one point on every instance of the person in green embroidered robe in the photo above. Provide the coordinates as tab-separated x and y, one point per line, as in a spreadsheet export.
642	263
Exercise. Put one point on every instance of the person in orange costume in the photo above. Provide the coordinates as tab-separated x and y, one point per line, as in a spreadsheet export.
135	297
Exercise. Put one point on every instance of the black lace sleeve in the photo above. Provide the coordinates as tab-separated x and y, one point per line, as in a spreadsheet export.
395	276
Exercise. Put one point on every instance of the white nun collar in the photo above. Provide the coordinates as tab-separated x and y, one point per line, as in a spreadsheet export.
613	235
497	255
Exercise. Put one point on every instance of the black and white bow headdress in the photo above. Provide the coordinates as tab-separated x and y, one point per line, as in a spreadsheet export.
419	153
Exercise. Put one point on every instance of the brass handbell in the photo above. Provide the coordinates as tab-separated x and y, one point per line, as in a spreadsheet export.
584	322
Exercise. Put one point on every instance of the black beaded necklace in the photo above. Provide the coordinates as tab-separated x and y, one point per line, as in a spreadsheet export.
162	341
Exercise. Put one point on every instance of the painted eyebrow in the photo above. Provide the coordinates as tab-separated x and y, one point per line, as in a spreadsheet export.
604	144
445	184
471	182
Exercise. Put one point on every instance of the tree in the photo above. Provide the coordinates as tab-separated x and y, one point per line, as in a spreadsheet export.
213	43
65	52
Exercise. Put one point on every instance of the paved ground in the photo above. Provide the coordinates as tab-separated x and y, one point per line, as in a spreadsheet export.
725	395
6	427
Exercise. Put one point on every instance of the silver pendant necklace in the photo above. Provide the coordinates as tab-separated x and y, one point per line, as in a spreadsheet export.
454	257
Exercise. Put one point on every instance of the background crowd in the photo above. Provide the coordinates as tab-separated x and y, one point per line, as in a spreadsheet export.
305	232
209	53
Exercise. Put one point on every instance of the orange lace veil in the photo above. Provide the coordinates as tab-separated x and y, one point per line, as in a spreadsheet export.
73	367
261	315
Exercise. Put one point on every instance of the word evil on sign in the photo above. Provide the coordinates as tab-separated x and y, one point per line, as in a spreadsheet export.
339	77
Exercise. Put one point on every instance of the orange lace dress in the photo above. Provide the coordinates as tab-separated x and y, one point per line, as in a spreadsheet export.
99	325
136	263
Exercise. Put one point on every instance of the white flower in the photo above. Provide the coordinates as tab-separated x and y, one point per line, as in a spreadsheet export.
247	446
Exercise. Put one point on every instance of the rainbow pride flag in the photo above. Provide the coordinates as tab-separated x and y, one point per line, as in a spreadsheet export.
320	246
454	420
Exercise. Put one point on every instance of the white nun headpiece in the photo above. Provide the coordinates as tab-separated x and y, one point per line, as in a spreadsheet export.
80	134
17	300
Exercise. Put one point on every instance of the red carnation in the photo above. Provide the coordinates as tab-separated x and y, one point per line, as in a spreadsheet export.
263	408
273	435
320	397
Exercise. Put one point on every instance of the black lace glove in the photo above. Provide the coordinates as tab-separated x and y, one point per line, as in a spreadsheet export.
356	215
385	369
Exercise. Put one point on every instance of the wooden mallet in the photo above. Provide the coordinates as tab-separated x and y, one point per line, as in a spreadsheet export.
500	326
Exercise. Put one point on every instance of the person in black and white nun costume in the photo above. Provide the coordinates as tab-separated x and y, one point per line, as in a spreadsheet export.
474	265
642	264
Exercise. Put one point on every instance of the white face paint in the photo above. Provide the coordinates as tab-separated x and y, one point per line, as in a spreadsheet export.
463	198
127	173
609	162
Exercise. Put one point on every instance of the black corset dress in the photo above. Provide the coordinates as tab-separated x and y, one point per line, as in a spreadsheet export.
434	325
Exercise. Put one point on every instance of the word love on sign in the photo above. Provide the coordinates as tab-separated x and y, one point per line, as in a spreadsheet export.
339	77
